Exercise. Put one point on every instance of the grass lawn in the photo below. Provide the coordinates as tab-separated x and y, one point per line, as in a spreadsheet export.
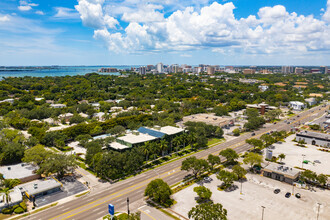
215	141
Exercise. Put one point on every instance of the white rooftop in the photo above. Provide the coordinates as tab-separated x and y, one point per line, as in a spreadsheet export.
296	103
135	139
39	186
18	171
169	130
15	197
117	146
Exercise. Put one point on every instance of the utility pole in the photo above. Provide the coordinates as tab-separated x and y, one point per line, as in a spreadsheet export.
128	206
262	216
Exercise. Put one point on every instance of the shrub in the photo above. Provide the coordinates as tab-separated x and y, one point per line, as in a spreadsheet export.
19	210
23	205
7	211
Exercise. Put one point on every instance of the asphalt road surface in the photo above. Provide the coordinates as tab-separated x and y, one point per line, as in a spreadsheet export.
94	205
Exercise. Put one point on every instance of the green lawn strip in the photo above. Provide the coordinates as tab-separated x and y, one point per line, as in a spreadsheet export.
35	211
82	194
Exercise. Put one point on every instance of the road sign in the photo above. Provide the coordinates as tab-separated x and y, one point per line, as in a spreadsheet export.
111	209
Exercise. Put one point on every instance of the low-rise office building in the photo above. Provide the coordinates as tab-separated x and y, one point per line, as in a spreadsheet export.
314	138
262	107
38	188
296	105
281	173
15	196
22	171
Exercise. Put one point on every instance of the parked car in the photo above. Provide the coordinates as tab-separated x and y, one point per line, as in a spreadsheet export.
208	179
317	161
187	176
277	191
253	134
298	195
287	195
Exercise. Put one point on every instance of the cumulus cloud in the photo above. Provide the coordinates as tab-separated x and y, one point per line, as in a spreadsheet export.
149	26
26	6
326	15
4	18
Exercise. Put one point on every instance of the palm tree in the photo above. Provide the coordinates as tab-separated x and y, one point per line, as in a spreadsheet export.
281	156
146	149
191	139
163	146
177	142
6	196
184	139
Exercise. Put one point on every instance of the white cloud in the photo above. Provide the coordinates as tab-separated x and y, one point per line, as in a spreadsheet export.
40	13
91	14
272	31
24	7
65	13
4	18
326	15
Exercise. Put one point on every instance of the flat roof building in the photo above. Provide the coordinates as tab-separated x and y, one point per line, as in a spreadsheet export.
15	198
314	138
22	171
262	107
281	173
39	188
57	105
135	138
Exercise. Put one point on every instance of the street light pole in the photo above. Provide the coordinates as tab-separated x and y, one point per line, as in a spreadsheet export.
302	163
292	188
318	211
128	206
262	216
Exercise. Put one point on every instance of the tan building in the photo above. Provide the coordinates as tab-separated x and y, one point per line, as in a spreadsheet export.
281	173
299	70
210	70
249	71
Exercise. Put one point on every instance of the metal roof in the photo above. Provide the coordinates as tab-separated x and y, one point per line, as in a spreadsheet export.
151	132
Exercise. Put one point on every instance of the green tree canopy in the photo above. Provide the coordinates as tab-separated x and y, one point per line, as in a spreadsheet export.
203	193
253	159
209	211
197	166
159	191
230	155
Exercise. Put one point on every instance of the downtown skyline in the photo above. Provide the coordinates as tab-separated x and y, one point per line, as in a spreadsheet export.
98	32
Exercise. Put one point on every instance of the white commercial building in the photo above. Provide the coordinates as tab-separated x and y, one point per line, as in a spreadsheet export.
296	105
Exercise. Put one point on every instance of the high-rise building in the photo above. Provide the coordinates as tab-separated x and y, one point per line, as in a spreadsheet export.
299	70
324	69
150	67
159	67
142	70
210	70
287	69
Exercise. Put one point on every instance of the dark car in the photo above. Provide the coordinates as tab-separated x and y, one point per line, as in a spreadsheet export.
253	134
277	191
298	195
288	123
287	195
298	116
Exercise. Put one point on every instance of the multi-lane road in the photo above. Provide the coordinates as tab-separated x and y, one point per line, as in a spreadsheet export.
94	205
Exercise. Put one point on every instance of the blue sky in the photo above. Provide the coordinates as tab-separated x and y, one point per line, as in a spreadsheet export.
110	32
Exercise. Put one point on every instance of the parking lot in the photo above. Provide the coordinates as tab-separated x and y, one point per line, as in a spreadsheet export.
294	156
70	187
258	191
